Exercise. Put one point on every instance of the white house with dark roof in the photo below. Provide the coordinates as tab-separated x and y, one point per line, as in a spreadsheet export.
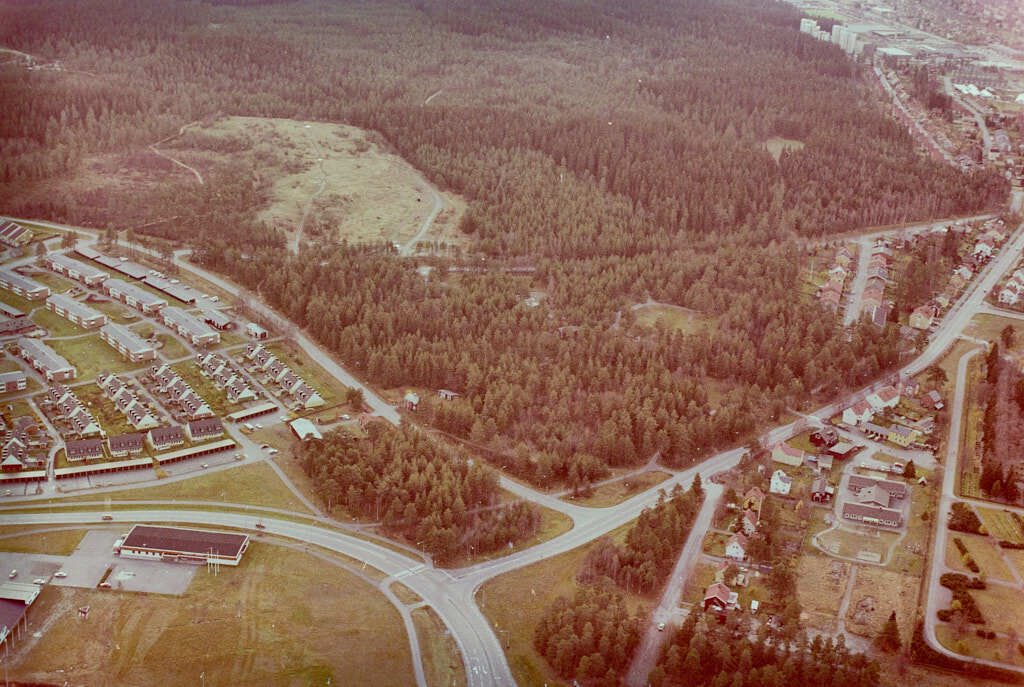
781	483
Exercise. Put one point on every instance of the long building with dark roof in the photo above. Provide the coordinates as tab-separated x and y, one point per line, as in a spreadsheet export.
154	542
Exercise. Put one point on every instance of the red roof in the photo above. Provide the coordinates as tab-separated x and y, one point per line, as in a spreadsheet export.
887	393
861	407
717	591
789	450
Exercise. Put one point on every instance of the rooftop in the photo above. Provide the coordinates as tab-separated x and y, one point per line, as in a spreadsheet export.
181	540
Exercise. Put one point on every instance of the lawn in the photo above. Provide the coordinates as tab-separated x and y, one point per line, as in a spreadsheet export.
22	304
255	484
330	389
687	321
890	591
616	492
115	312
1001	608
973	645
990	327
55	324
442	662
714	543
1000	524
57	284
1016	558
103	409
986	554
217	399
702	576
283	617
515	602
170	347
817	589
58	543
91	355
843	542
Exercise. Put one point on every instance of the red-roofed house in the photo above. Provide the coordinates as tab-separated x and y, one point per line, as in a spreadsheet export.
787	455
886	397
719	597
859	412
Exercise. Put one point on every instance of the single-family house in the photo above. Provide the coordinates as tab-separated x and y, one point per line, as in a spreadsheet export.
412	400
922	316
780	483
983	249
447	394
736	547
826	436
886	397
748	522
753	499
821	490
719	598
256	332
860	411
932	400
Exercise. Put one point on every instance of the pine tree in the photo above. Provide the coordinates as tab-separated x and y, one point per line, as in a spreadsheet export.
888	639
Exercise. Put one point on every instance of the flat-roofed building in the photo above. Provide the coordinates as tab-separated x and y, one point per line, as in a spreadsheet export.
134	296
197	332
872	515
125	267
217	319
75	269
75	311
184	544
179	292
23	286
44	359
127	342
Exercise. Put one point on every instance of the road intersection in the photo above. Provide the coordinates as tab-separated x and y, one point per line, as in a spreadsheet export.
452	592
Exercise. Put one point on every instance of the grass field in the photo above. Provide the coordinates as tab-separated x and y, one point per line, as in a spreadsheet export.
281	618
1016	558
217	399
673	317
58	543
714	543
255	484
91	356
103	409
816	588
441	660
1001	608
116	312
55	324
776	145
618	491
986	554
22	304
891	591
170	347
369	194
1000	524
843	542
329	388
703	574
57	284
972	645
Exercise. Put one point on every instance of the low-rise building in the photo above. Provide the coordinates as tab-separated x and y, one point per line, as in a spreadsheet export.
191	328
83	449
44	359
787	455
74	269
28	289
860	411
124	445
780	483
922	317
204	429
134	296
886	397
75	311
127	342
872	515
720	598
902	436
164	438
12	381
255	331
736	547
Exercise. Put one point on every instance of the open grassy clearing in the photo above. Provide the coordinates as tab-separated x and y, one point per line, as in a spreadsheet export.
989	327
329	388
22	304
703	574
283	617
170	347
970	644
985	552
91	355
103	409
687	321
776	145
255	484
217	399
58	543
1001	607
404	594
848	543
369	194
115	312
55	324
888	591
442	662
515	602
57	284
821	583
618	491
1000	524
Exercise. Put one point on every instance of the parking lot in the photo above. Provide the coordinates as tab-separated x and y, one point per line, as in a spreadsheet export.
87	565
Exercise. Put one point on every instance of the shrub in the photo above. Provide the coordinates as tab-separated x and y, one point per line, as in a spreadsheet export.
1010	544
964	519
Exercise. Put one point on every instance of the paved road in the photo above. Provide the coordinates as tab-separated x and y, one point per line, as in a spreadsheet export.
650	647
410	245
452	593
852	314
986	137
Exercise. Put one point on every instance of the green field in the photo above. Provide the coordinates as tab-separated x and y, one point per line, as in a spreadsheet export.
55	324
20	303
116	312
283	617
776	145
1001	524
441	660
672	317
103	409
91	355
217	399
57	284
61	542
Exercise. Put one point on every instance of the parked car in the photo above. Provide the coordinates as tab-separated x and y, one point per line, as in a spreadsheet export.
60	573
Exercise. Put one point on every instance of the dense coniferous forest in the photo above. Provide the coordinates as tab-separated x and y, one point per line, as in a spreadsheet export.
399	478
617	148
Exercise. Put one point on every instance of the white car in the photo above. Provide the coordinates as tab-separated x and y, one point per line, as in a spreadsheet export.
60	573
39	580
